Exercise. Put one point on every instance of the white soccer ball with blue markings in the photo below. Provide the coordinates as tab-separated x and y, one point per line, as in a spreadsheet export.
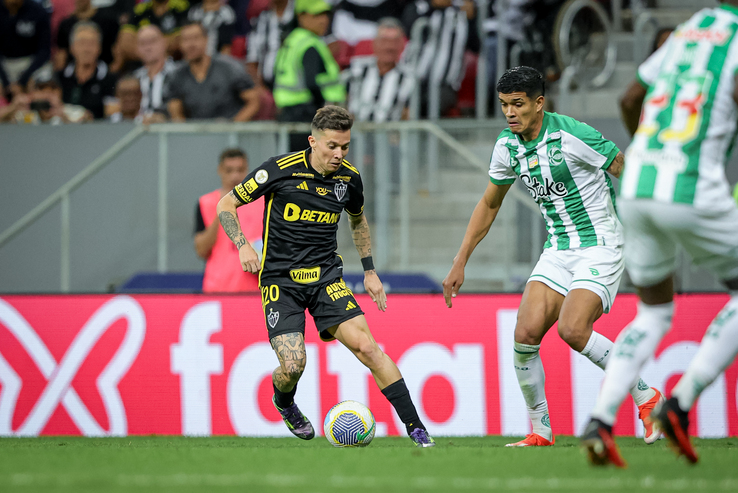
349	424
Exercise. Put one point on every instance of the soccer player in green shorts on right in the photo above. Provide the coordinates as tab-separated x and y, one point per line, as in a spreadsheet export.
564	164
674	192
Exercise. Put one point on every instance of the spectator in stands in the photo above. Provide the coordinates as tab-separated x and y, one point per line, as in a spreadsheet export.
266	36
449	32
86	81
128	100
43	104
306	75
25	43
219	21
152	49
379	86
85	11
356	20
209	87
167	15
211	242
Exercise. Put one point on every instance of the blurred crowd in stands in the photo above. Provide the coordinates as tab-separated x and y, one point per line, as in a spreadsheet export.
169	60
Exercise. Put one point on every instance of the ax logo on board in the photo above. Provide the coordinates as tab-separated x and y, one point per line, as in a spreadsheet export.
59	375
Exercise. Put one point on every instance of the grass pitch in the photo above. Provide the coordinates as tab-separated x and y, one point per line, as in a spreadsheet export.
62	464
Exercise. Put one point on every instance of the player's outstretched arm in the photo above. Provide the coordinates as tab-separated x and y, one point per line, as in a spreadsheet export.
481	220
363	242
229	220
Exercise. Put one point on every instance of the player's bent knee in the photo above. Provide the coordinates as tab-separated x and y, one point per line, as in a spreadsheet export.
293	370
526	334
370	353
575	335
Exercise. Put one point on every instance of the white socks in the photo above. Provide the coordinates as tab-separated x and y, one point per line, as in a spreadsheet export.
633	347
718	348
598	351
532	379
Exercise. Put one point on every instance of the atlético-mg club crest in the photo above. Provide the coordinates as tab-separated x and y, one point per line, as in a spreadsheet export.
340	190
272	318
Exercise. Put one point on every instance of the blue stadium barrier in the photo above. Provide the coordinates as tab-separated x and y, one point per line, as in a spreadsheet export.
191	282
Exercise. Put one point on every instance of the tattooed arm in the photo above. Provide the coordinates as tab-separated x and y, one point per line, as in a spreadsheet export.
617	165
229	220
363	242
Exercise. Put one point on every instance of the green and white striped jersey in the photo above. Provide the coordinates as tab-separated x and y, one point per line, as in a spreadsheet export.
688	122
563	169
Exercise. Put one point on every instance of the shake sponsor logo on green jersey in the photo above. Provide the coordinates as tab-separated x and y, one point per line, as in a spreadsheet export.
543	191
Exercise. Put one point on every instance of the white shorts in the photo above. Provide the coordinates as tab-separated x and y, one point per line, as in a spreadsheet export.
654	229
597	269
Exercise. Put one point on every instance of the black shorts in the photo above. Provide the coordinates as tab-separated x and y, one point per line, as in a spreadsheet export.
329	303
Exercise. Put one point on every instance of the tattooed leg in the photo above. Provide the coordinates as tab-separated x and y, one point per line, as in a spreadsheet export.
290	350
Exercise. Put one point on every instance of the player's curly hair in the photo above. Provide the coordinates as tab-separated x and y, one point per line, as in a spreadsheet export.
332	118
522	79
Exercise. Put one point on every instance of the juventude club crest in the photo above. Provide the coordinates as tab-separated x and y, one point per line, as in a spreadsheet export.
272	318
555	156
340	190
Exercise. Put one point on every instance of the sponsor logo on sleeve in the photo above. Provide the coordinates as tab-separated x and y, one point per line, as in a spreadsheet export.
243	194
251	185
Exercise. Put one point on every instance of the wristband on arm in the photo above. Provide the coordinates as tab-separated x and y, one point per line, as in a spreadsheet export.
367	263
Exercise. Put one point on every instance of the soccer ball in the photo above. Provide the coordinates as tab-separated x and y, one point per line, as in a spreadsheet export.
349	424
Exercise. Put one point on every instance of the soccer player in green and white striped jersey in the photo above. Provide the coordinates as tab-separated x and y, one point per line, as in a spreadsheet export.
674	191
564	164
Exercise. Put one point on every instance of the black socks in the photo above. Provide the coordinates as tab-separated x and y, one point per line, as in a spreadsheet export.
284	399
399	397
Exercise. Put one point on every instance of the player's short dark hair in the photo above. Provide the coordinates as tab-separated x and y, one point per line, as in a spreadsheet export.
195	23
522	79
232	152
332	118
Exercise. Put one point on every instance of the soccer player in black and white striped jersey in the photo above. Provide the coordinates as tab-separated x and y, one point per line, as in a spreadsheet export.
380	85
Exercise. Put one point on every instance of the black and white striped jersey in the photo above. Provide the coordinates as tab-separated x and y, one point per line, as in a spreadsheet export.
152	89
356	20
220	25
374	97
440	56
267	33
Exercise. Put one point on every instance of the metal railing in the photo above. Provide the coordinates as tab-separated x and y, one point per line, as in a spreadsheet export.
409	136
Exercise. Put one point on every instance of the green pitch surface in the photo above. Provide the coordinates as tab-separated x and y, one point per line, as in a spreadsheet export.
62	464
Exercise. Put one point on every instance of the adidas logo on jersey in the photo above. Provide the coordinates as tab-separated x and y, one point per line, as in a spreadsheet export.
303	186
350	306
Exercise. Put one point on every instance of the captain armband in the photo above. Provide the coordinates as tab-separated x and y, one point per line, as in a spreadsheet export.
367	263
